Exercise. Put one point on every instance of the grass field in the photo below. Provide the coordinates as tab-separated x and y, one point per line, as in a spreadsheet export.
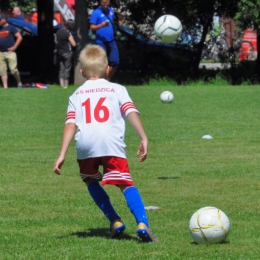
45	216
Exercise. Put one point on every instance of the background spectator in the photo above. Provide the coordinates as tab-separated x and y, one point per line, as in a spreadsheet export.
102	21
10	38
65	42
17	13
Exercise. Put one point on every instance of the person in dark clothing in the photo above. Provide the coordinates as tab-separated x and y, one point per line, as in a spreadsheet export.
65	42
10	39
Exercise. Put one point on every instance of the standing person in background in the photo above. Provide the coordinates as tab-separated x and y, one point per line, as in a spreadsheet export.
17	13
65	42
10	38
102	21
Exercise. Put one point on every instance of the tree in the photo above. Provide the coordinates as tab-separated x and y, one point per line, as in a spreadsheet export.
142	14
81	25
190	13
248	13
45	40
25	5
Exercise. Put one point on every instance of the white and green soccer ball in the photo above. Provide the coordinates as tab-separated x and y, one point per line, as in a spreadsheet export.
168	28
209	225
166	96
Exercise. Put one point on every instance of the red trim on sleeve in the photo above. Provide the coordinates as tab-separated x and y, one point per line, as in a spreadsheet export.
71	115
126	106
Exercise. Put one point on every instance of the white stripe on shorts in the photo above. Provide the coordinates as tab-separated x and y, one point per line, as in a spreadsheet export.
97	176
116	175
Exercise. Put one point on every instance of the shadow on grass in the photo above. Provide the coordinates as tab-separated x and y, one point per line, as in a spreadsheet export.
207	244
98	232
168	178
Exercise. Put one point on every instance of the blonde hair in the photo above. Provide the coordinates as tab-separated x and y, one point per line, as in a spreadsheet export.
93	59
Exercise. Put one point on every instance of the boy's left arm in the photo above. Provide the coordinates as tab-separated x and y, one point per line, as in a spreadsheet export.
137	125
68	134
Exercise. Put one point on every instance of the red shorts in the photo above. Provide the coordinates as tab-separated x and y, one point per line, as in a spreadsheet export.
115	170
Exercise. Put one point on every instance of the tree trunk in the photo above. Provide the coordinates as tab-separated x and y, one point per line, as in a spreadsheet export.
200	47
45	71
81	25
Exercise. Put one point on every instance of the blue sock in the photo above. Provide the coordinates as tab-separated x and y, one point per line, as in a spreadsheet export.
135	204
102	200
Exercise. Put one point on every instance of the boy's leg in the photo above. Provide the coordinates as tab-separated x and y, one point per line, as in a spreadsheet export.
136	206
102	200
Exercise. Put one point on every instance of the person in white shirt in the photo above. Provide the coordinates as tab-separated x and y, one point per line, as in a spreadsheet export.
96	113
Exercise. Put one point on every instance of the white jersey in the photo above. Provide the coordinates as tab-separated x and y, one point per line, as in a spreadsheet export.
98	108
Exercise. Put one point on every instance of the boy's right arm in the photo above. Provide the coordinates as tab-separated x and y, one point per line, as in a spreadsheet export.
68	134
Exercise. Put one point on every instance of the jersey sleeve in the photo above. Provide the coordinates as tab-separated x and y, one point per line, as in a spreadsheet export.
67	34
14	30
112	13
93	17
71	112
126	104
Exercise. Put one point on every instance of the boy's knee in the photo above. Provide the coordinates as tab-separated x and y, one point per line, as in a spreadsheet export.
89	181
124	187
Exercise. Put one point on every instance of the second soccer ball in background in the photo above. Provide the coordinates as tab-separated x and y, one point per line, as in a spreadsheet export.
166	96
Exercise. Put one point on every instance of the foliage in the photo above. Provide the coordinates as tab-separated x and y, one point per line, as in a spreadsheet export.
25	5
143	14
45	216
245	72
188	11
248	14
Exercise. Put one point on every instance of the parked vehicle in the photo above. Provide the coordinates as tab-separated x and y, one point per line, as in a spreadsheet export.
136	51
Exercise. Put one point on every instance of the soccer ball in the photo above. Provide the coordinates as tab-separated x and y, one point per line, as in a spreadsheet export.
166	96
168	28
209	225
